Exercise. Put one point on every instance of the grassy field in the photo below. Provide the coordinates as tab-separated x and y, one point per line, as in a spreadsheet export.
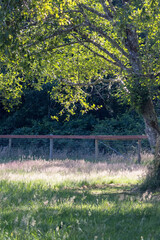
76	200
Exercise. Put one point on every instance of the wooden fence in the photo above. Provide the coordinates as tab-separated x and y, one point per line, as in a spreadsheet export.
96	138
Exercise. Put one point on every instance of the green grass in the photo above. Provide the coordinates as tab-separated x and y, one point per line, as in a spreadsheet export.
75	200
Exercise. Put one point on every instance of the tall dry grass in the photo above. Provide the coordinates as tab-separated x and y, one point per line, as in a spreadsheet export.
58	171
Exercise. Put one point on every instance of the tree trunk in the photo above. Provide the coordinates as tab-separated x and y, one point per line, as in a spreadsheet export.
153	133
151	124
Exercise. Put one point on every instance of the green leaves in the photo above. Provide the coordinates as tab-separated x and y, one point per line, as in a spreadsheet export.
78	42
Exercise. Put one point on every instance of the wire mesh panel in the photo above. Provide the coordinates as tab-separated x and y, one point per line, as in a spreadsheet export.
18	149
122	150
4	148
92	148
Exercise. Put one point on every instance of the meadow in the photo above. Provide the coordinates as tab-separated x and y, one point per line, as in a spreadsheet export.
76	200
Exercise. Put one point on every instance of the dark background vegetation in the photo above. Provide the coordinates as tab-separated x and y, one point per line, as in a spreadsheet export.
34	116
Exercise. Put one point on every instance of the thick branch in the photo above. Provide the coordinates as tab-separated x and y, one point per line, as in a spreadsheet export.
101	32
56	47
95	11
89	84
132	45
113	42
68	29
112	7
97	54
117	61
78	84
106	10
61	46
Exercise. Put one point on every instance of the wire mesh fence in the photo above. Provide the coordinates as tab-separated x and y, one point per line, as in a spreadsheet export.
96	148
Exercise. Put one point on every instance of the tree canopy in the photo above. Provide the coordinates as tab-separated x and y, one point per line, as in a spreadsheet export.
77	44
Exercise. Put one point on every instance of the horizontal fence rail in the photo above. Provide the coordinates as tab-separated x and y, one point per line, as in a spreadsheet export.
98	137
94	137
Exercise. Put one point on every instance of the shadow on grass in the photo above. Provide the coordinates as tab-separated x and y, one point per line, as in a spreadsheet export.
35	211
20	193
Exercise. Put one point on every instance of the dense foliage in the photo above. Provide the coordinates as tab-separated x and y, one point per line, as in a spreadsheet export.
34	116
82	43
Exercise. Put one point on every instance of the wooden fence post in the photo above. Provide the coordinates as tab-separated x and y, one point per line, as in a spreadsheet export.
139	152
10	145
51	149
96	149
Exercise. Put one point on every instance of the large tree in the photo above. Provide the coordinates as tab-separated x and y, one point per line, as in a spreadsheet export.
80	43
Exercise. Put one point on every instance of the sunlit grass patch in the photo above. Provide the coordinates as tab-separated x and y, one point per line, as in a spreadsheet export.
72	173
75	200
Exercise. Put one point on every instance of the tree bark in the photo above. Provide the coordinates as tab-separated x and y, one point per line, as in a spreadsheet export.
153	133
151	124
